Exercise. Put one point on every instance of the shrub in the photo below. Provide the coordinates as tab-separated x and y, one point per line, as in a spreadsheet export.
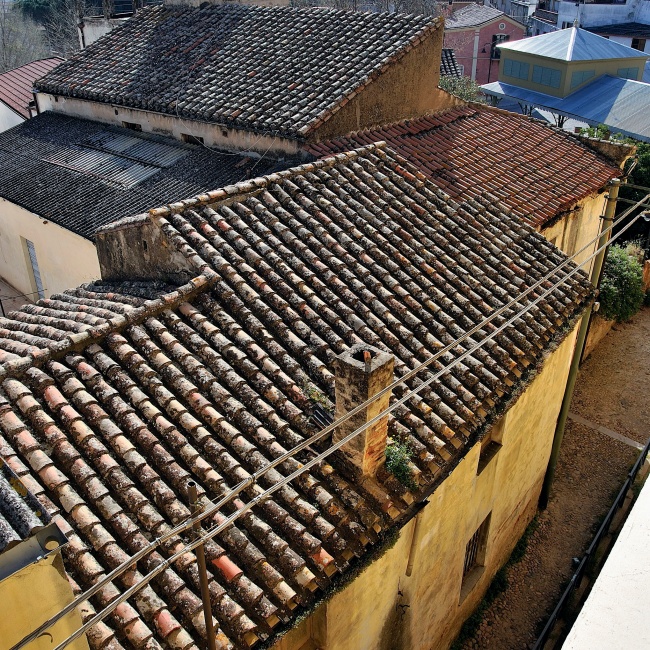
398	455
462	87
621	289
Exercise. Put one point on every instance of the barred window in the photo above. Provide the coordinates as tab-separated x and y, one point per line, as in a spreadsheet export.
475	548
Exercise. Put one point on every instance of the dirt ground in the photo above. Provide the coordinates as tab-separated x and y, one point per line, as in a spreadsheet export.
612	391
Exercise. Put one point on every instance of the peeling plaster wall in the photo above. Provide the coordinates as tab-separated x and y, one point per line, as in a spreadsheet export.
65	259
383	609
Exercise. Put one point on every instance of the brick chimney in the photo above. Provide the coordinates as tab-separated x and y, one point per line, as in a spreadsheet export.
361	372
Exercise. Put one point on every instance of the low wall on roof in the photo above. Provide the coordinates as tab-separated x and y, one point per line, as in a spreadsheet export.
136	249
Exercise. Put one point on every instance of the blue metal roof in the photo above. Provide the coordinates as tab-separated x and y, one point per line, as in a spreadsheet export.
573	44
620	104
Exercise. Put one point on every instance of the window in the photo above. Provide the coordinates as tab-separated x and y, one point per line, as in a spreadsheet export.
36	274
628	73
461	70
497	39
191	139
132	125
490	445
546	76
516	69
638	44
578	78
474	564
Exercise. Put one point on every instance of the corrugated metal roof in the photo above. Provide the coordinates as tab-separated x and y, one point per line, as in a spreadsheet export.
16	85
620	104
119	158
573	44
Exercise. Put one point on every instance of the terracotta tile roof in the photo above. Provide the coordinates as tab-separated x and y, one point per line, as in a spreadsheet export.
473	15
275	70
16	86
448	63
535	170
114	396
41	170
21	514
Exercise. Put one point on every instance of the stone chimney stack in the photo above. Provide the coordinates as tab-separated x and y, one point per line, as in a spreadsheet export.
361	372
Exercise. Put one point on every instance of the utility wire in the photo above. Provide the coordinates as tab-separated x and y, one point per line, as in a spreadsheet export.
228	521
253	478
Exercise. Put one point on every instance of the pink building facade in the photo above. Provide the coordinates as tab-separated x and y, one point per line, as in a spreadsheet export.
473	32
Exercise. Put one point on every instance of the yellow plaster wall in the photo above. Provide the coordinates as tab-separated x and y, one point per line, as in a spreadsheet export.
65	260
578	227
31	596
383	609
408	88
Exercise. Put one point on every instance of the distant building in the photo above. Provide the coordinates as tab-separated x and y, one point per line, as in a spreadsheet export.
17	102
576	74
552	15
474	32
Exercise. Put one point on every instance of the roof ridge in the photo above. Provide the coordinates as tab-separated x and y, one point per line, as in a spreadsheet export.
572	42
256	185
96	333
415	40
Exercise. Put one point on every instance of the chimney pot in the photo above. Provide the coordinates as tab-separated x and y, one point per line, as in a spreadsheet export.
361	372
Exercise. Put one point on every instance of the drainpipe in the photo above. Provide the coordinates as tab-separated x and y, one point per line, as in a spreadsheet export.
596	271
477	35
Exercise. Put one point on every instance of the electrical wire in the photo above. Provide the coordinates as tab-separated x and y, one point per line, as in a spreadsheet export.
252	479
318	458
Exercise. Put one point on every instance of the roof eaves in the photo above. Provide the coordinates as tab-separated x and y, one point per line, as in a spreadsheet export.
76	341
413	42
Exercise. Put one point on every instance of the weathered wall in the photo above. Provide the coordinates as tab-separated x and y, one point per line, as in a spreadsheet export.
65	260
383	609
408	88
139	250
261	3
8	118
214	135
92	28
598	329
578	227
31	596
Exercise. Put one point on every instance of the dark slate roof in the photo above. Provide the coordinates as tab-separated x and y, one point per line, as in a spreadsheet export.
276	70
473	15
21	514
113	397
37	160
535	170
16	86
634	30
448	63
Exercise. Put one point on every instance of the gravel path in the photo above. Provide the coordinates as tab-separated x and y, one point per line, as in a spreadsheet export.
612	391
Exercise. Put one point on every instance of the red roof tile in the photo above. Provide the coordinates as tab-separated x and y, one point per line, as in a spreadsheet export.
211	381
16	85
461	149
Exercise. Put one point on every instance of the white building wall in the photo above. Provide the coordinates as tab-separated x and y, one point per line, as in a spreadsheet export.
65	259
8	118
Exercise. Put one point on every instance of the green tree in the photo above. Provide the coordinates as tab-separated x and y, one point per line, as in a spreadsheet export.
621	288
462	87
